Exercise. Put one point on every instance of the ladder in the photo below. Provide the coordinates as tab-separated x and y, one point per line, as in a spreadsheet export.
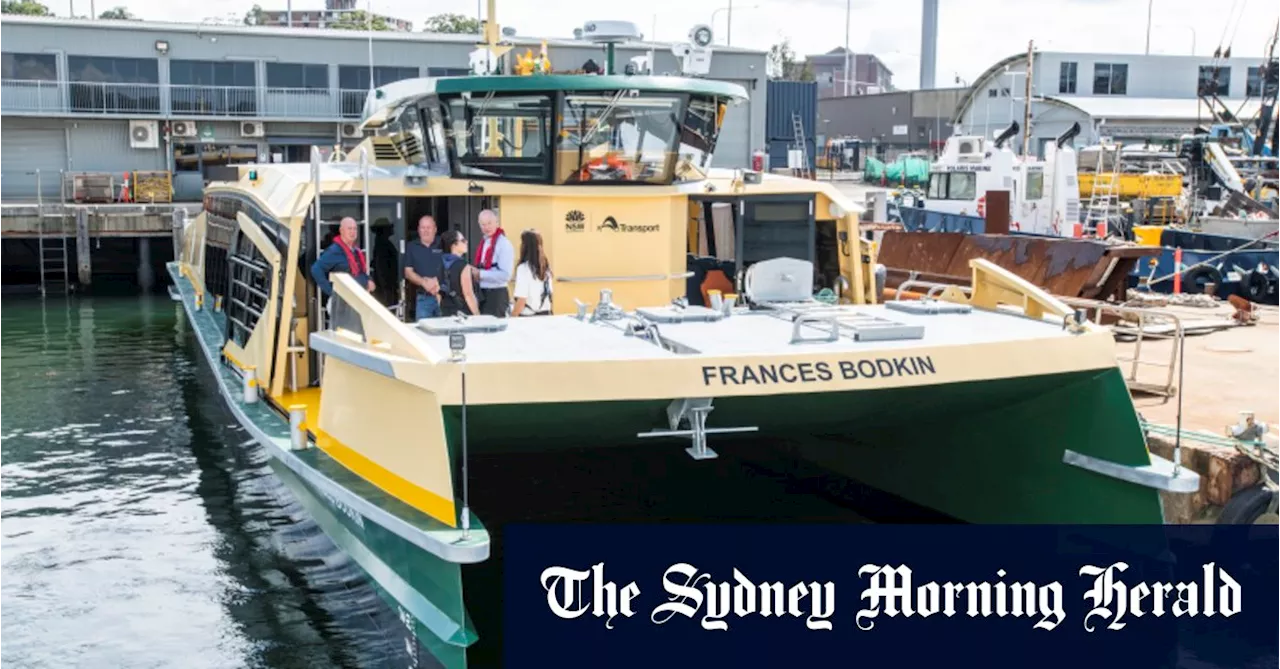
51	245
1104	198
797	126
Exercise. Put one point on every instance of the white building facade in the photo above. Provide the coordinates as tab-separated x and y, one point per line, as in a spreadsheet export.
1122	96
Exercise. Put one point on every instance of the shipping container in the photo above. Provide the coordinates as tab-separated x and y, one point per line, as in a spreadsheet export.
785	98
778	152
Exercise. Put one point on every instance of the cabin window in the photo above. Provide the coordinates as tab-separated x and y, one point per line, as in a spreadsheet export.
1035	185
616	136
221	227
250	281
952	186
505	137
698	133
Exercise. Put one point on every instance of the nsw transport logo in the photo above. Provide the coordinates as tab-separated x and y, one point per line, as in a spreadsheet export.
611	223
575	221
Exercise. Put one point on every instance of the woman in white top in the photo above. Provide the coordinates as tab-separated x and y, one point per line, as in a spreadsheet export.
533	278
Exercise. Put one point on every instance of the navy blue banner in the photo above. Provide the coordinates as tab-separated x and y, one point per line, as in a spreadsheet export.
890	595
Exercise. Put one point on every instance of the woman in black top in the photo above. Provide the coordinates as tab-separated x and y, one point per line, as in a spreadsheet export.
461	282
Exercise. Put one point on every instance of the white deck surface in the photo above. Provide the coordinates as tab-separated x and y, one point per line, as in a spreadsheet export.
565	338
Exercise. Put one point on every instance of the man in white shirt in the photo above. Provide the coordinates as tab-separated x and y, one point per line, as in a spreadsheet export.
495	260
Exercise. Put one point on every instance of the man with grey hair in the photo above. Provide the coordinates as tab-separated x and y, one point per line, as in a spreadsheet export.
342	256
495	260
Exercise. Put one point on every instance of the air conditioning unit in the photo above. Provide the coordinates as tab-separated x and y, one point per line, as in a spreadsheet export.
144	135
182	129
350	130
252	129
970	146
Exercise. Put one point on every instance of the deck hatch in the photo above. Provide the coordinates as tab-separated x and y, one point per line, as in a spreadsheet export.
445	326
679	315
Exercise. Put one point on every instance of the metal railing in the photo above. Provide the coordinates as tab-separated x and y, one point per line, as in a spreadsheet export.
1138	325
35	98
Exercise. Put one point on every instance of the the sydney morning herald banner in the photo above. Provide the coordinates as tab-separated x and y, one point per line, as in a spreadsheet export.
890	596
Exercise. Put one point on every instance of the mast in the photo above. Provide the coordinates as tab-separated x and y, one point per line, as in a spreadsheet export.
1026	110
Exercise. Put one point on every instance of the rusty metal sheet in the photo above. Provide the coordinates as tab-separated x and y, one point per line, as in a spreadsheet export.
1068	267
921	251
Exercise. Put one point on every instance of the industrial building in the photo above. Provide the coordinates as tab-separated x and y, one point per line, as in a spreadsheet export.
893	123
120	96
870	74
1123	96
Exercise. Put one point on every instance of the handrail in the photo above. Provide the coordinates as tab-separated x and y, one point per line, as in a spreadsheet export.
1143	315
635	277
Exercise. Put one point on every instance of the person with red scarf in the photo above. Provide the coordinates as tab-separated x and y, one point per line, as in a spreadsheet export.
342	256
496	261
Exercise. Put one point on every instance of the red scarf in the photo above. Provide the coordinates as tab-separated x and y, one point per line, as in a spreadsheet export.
484	258
351	259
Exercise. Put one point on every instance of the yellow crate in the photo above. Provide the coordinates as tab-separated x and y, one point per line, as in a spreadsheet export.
1135	185
152	187
1147	235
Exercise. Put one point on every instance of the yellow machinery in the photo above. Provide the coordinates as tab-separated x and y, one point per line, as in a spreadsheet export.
1136	185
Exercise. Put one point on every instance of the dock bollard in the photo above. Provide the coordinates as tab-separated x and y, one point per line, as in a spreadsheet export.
250	385
298	426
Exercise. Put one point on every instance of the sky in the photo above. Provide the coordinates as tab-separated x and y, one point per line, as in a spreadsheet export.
972	34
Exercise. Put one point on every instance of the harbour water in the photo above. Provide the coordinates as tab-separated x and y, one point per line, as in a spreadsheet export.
139	528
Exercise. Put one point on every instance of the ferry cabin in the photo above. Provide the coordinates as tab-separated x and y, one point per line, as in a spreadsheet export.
613	171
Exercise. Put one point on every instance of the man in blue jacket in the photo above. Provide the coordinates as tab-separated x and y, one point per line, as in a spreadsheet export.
342	256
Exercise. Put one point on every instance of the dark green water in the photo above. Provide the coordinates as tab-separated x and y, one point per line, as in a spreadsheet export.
139	528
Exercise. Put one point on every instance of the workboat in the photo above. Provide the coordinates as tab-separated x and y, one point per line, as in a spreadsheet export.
994	403
1041	197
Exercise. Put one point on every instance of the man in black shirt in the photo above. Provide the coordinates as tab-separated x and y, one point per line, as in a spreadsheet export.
423	268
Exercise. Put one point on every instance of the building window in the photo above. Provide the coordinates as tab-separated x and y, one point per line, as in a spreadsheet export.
1110	79
114	85
353	81
447	71
213	88
1214	81
32	67
1252	85
993	93
1067	78
298	75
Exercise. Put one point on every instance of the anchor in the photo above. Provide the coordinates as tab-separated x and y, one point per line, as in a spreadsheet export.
693	413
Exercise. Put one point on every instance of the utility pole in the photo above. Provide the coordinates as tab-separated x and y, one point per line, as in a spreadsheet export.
1148	52
728	29
848	15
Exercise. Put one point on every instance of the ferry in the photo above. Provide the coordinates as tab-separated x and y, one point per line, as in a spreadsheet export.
992	403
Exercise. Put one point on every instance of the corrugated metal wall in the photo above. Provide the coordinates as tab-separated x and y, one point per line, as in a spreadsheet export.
26	146
103	146
787	98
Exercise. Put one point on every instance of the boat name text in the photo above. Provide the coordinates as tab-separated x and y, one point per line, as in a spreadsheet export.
688	592
345	509
817	372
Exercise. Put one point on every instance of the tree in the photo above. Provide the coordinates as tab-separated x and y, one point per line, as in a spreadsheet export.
452	23
24	7
783	63
255	16
357	20
118	14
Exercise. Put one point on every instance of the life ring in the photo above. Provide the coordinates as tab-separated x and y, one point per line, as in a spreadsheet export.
1253	286
1200	277
982	207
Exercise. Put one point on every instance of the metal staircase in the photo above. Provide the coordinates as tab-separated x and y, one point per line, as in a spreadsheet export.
797	126
51	243
1105	196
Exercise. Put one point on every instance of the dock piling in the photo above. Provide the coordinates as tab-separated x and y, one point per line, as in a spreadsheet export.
146	277
84	268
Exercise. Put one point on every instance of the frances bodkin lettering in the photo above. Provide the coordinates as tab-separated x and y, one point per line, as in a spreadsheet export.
1109	600
811	372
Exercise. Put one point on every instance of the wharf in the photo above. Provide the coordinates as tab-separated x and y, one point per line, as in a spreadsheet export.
1224	373
22	220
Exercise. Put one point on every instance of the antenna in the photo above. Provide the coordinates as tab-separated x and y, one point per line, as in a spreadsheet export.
368	26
